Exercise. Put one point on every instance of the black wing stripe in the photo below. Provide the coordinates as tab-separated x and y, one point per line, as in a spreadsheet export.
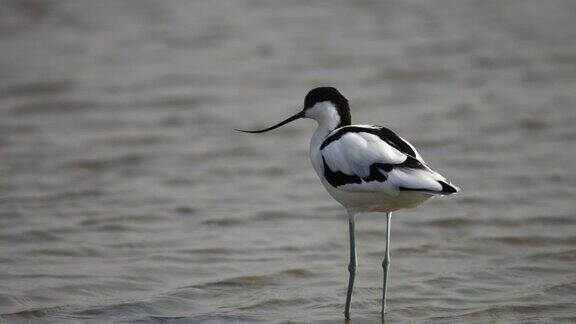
411	163
343	130
382	132
391	138
339	178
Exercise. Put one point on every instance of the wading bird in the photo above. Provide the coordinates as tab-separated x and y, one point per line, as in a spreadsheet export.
365	168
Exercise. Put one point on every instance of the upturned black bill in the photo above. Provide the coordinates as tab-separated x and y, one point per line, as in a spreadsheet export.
291	119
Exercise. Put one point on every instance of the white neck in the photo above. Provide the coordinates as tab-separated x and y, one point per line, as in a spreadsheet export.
327	117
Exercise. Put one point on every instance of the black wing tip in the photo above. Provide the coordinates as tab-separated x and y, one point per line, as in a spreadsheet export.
448	189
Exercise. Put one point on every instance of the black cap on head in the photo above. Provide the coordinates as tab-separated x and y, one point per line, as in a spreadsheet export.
331	94
321	94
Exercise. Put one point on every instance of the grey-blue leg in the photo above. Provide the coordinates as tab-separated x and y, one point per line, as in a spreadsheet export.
386	262
351	265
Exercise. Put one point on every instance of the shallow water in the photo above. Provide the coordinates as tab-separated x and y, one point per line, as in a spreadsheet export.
126	196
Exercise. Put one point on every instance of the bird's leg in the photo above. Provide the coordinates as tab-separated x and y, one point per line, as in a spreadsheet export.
351	265
386	262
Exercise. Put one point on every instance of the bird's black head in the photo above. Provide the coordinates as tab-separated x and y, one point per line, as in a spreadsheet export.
332	95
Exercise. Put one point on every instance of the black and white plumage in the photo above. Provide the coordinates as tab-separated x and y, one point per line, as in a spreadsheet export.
375	159
365	168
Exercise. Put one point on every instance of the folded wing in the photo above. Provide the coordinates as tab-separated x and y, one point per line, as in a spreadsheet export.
375	159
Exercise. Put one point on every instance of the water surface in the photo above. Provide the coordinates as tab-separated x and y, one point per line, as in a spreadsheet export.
126	196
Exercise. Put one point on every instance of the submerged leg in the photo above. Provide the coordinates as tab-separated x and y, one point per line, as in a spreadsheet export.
386	262
351	265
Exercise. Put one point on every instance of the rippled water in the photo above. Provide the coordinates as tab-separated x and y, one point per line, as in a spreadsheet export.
126	196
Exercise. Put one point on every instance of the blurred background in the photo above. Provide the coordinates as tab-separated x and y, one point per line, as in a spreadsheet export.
126	196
